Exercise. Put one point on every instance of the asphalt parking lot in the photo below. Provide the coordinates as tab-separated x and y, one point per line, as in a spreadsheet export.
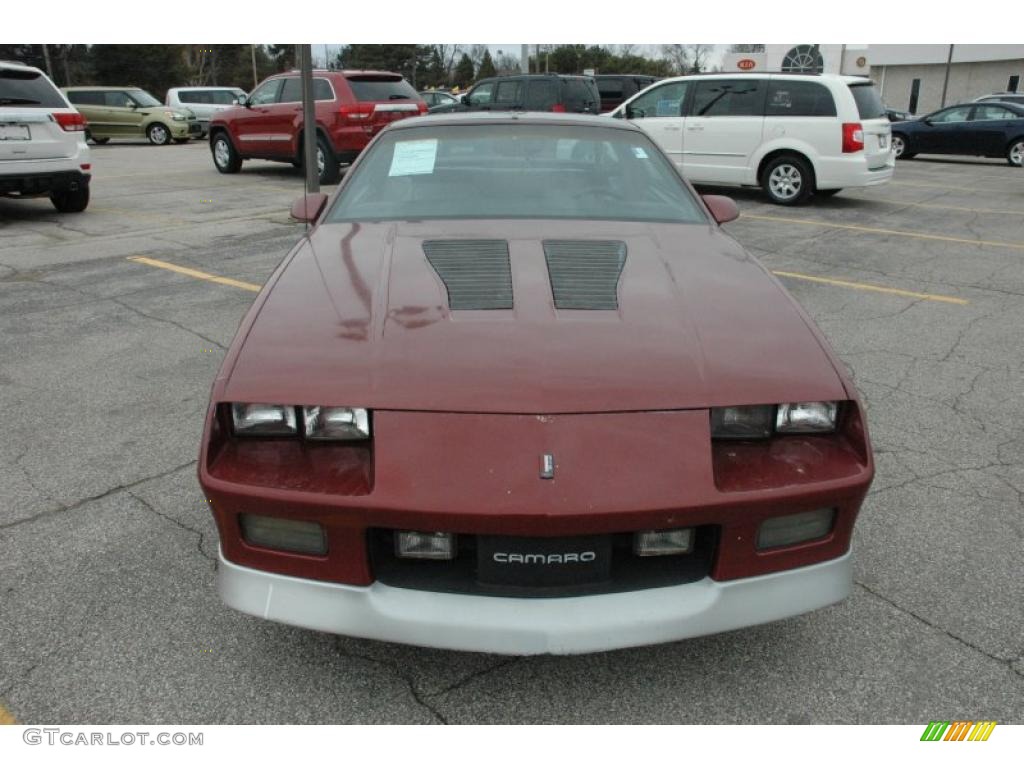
108	612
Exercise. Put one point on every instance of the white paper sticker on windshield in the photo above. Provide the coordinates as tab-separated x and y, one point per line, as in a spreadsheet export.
413	157
640	153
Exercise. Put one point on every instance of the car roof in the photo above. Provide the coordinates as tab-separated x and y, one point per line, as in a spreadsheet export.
6	64
102	88
513	118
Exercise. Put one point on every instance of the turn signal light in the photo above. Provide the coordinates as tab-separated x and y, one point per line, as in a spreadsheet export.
282	533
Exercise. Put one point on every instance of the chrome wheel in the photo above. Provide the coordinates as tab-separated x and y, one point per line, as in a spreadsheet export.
1016	154
221	153
320	162
158	134
898	145
785	181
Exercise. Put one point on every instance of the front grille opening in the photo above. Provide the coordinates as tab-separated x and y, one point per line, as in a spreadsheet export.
628	572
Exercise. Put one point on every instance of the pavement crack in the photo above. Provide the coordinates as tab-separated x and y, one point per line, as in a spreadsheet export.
401	674
96	497
474	676
1008	662
201	536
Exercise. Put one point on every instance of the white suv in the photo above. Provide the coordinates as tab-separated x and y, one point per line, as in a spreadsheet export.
42	141
793	135
204	101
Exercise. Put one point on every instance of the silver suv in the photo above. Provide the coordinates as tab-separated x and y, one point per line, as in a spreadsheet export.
42	141
205	101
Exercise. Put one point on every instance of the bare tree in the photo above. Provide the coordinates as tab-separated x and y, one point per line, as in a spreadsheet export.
476	55
625	49
746	48
699	53
678	56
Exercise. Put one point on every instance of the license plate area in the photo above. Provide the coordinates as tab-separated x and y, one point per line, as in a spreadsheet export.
14	132
882	141
538	563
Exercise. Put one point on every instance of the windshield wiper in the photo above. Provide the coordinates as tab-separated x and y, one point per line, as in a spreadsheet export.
18	101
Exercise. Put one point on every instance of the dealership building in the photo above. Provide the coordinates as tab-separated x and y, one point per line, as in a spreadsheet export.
909	77
913	77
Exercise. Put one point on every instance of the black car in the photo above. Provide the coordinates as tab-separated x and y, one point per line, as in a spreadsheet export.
615	89
534	93
987	129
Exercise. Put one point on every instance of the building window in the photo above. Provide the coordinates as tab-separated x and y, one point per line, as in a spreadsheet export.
803	58
915	89
1013	84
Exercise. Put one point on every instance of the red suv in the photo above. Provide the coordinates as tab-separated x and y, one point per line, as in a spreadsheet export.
351	107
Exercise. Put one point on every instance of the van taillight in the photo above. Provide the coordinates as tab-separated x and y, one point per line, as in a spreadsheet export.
853	137
558	108
356	112
70	121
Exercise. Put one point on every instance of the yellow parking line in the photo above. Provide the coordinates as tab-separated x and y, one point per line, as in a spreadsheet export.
869	287
901	203
880	231
6	718
196	273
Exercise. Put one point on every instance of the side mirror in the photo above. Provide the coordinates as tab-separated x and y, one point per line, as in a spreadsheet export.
308	208
131	104
723	208
464	99
627	112
242	101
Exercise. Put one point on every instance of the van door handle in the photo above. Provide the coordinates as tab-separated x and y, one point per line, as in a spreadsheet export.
695	127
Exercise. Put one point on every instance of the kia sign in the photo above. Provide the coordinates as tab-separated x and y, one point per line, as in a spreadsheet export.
746	64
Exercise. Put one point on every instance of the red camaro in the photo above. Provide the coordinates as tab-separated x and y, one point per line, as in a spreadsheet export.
517	392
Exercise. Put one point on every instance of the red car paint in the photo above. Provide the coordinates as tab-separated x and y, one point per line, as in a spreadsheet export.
464	406
273	131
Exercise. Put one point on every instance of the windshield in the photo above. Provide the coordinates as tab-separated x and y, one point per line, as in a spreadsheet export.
869	104
25	88
515	171
143	99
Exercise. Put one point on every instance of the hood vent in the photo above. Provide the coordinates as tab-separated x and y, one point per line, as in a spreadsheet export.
584	274
476	273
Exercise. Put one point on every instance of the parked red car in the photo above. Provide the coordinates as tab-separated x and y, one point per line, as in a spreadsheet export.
517	392
351	107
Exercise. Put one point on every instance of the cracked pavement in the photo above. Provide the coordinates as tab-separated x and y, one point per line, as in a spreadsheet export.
108	612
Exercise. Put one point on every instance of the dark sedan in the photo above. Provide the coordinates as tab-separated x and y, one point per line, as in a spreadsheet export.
990	129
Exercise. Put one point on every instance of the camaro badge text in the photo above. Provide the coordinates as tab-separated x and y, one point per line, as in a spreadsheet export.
547	466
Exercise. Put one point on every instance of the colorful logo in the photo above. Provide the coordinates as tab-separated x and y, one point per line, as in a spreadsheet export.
959	730
746	64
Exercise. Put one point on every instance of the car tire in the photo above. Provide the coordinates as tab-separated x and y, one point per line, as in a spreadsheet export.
70	201
225	157
327	163
787	180
899	147
827	192
1015	152
158	134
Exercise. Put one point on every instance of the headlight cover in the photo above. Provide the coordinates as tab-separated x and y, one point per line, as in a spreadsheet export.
263	419
336	423
742	422
806	417
176	115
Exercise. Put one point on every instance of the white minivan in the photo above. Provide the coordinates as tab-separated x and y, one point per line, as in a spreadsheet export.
205	101
794	135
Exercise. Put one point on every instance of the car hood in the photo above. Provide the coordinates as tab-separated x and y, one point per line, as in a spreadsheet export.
360	317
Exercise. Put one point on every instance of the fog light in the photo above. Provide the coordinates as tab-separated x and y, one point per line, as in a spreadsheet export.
794	529
281	533
654	543
425	546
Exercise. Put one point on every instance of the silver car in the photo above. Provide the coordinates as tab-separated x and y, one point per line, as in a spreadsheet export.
204	101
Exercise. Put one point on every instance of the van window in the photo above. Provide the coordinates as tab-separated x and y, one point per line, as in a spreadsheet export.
542	95
194	97
611	88
664	101
869	104
799	98
729	98
580	94
481	94
94	98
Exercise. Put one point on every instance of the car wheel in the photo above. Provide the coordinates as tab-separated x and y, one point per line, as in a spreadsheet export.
327	166
68	201
225	158
899	147
788	180
158	134
1015	154
827	192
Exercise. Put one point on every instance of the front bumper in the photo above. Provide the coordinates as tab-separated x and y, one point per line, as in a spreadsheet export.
528	626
